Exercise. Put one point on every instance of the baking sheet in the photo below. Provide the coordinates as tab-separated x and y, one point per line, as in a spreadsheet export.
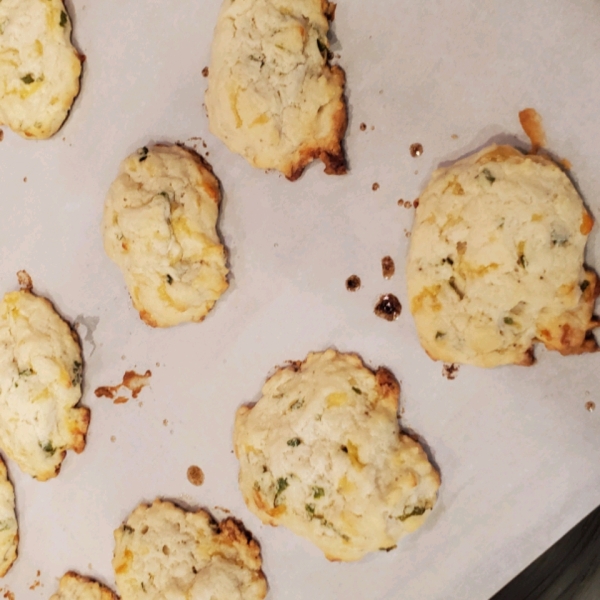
519	454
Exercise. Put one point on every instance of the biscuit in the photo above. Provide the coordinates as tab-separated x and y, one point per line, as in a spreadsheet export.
9	535
39	67
75	587
496	261
163	551
322	454
159	228
272	95
40	384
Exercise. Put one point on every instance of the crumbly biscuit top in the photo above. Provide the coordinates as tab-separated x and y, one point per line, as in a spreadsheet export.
322	453
40	384
163	551
272	97
496	261
75	587
9	537
39	67
160	228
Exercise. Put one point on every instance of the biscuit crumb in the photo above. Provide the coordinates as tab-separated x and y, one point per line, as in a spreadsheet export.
25	282
24	179
388	307
416	150
112	439
590	406
133	381
205	72
566	164
8	595
388	267
401	202
165	422
363	126
195	475
449	371
120	400
225	510
353	283
532	125
454	136
375	186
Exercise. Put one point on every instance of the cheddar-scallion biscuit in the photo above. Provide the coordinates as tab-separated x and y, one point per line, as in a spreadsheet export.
496	261
159	227
272	95
39	67
163	551
76	587
322	454
9	535
40	385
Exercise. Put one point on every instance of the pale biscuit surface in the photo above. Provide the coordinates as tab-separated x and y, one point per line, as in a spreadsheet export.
322	453
9	535
159	227
40	385
39	67
75	587
163	551
272	97
496	261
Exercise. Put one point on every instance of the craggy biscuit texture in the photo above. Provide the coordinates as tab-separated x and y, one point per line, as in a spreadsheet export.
75	587
322	453
40	385
272	96
39	67
163	551
496	261
159	227
9	535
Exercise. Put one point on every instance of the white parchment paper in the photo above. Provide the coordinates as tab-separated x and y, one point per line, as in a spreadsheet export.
518	452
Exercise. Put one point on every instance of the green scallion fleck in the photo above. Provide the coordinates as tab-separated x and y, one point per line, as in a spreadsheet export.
509	321
294	442
318	492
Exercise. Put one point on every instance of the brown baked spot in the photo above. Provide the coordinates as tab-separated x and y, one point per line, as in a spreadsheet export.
532	125
353	283
388	307
1	134
195	475
388	268
587	222
449	371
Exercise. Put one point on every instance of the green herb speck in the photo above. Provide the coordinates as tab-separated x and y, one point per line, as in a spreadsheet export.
169	279
28	79
77	373
522	261
25	373
488	175
310	509
415	512
509	321
63	18
439	334
323	48
48	448
282	485
143	152
318	492
357	390
584	285
128	529
297	404
294	442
